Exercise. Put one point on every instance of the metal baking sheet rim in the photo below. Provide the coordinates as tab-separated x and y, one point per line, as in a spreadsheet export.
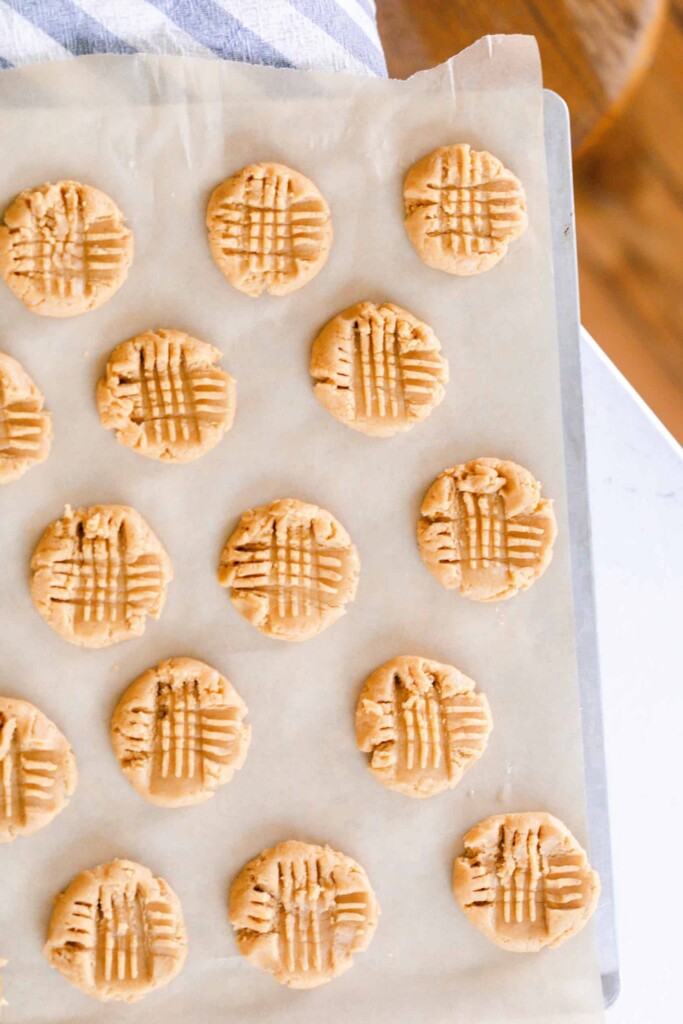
558	156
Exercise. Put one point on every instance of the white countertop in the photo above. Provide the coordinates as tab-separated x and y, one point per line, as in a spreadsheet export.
635	474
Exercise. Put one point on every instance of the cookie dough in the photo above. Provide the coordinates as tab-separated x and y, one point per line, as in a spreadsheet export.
165	397
525	882
300	912
422	723
97	574
25	425
117	932
291	567
179	732
463	209
485	530
37	769
64	248
378	369
269	229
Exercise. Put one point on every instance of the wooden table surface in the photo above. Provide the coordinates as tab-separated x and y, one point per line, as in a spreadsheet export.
626	110
593	51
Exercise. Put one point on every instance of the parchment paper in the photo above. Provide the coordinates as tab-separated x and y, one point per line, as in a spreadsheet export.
157	134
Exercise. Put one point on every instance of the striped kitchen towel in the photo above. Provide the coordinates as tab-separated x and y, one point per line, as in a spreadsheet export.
337	35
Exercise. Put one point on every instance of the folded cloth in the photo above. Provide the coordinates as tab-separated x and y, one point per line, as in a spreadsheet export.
338	35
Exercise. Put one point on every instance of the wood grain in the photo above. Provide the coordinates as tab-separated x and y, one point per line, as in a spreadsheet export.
629	208
593	51
627	125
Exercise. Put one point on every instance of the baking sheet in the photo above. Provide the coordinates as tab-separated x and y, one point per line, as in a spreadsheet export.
157	134
559	157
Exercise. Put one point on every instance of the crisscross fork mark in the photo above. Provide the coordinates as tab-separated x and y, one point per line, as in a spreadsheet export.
270	229
387	378
490	538
462	220
94	580
471	219
302	574
297	576
265	227
99	582
512	881
439	732
169	400
187	735
57	255
523	882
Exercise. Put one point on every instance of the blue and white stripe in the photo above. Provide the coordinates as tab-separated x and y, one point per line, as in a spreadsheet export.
339	35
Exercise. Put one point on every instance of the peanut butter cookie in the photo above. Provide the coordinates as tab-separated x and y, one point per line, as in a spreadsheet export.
97	574
292	568
269	229
64	248
378	369
525	882
179	732
485	530
300	912
117	932
463	209
165	396
422	723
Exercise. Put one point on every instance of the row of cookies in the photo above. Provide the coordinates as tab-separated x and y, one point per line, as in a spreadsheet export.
301	911
65	248
292	568
179	732
377	369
